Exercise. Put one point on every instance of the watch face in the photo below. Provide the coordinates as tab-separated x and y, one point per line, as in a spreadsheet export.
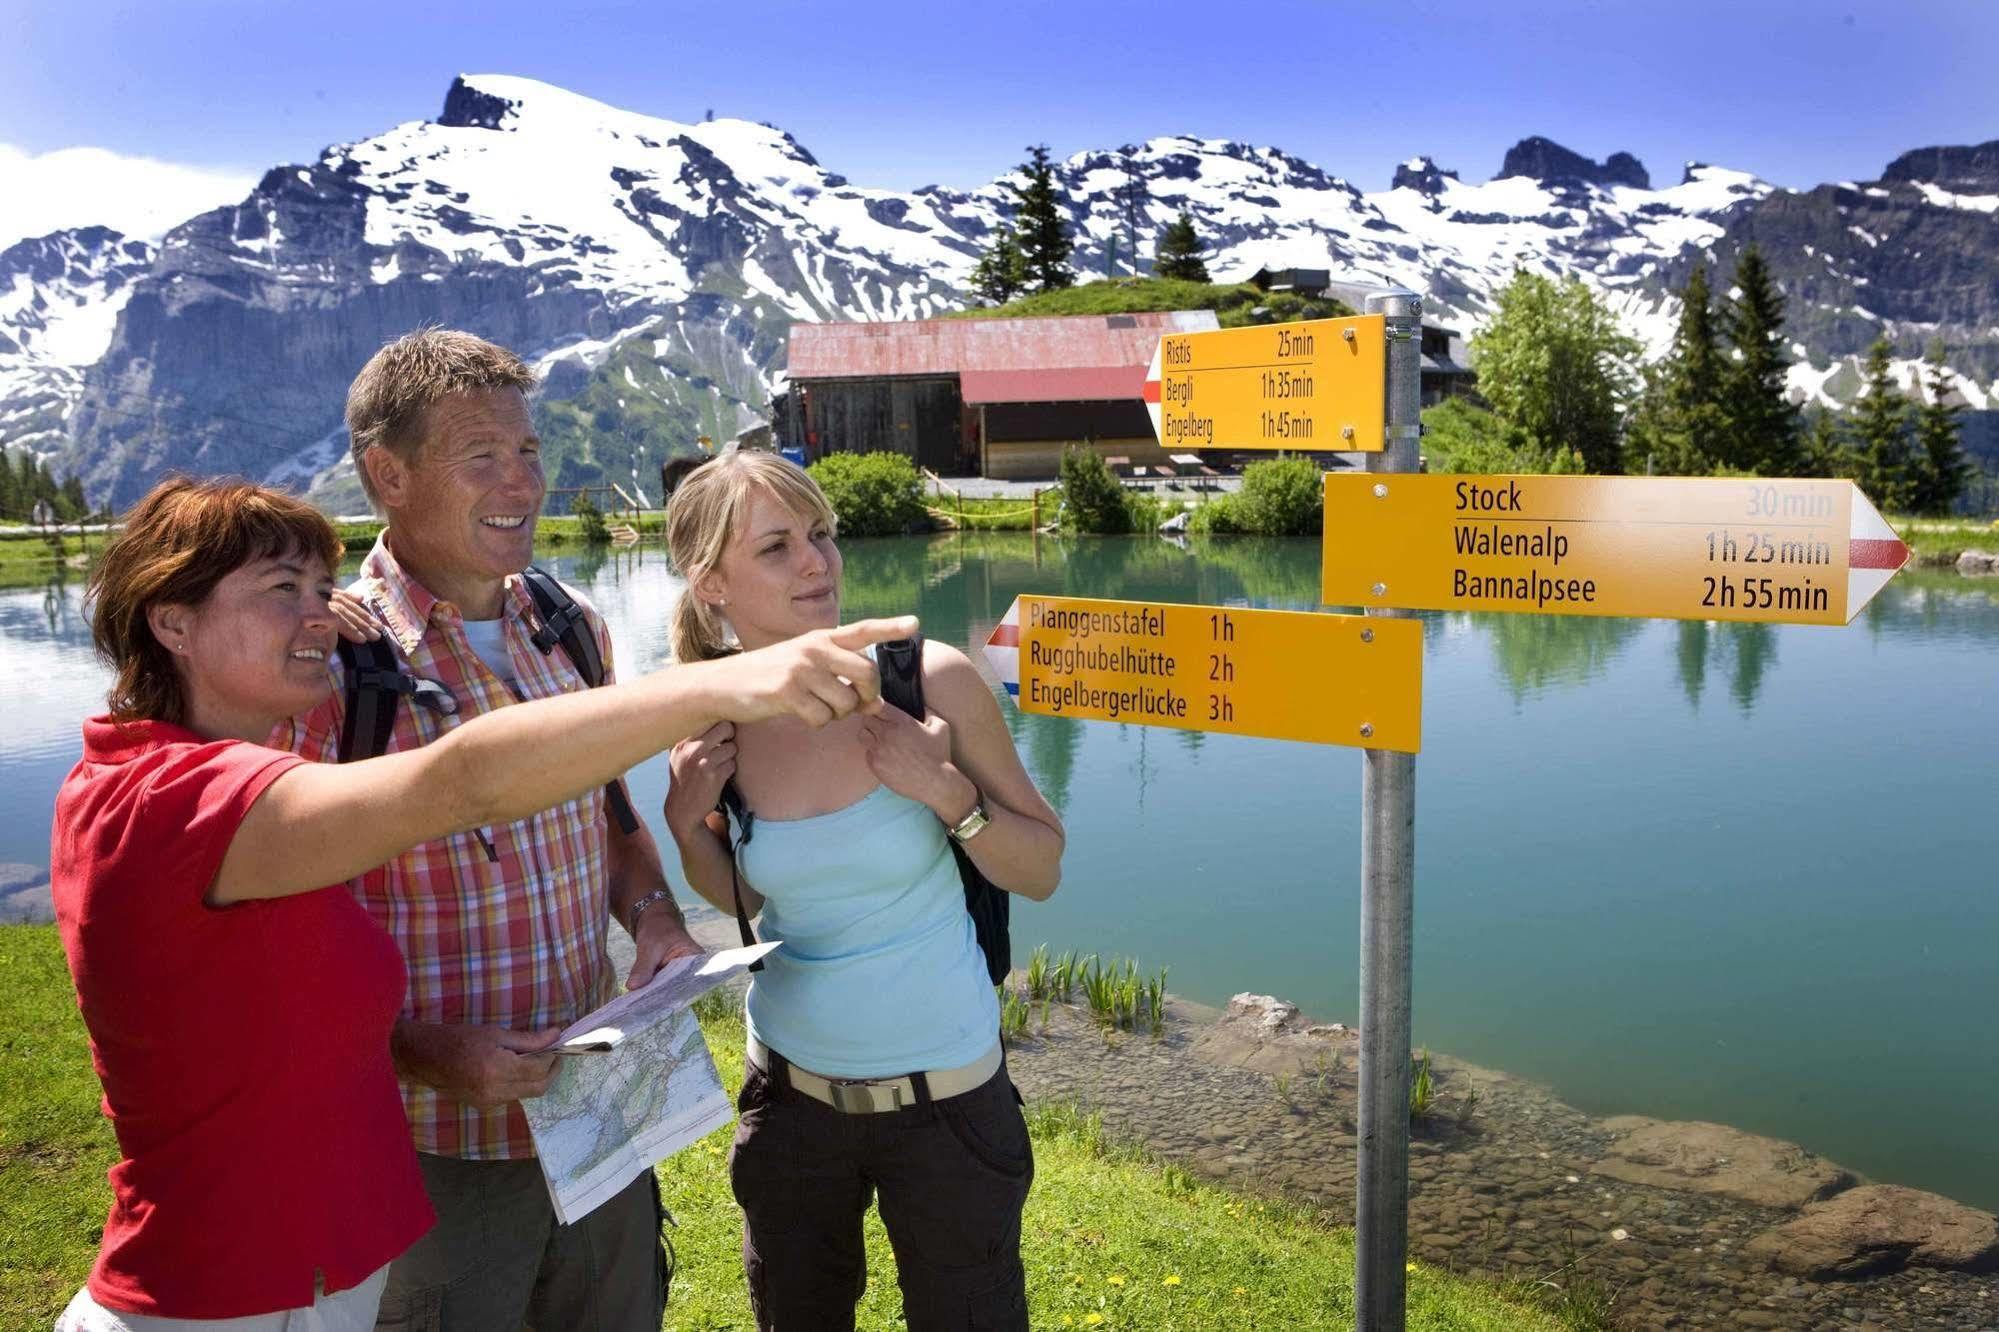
974	821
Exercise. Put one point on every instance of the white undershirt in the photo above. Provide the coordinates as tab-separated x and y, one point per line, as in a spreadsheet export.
489	640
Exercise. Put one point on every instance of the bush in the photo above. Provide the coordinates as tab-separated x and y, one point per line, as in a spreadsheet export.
591	519
1461	438
1092	499
872	494
1279	497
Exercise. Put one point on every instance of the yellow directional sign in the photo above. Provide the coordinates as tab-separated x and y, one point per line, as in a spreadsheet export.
1790	551
1311	386
1289	675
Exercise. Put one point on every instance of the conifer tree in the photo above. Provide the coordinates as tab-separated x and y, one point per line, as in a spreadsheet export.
1762	423
1826	452
70	501
1884	466
1001	272
9	507
1677	427
1179	252
1039	230
1941	468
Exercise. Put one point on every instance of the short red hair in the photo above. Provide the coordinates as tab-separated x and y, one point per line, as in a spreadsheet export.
178	542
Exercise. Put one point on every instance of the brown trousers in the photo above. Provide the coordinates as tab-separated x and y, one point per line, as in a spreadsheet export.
498	1260
951	1176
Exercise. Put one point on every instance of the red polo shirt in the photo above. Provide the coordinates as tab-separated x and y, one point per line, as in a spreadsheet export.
244	1050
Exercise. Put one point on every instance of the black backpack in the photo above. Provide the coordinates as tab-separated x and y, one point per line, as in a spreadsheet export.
901	667
376	680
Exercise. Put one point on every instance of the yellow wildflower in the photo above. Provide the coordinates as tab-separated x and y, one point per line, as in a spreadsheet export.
1115	1278
1093	1318
1410	1267
1241	1290
1173	1280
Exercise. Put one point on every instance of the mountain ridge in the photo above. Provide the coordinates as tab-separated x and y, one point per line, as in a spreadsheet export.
650	269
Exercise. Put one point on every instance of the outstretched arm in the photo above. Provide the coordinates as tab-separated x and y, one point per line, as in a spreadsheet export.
326	823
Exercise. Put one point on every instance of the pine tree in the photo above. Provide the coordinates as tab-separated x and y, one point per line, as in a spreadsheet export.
1179	252
1762	423
1677	427
1001	272
70	501
1885	466
1131	198
1826	451
1942	470
1041	233
9	498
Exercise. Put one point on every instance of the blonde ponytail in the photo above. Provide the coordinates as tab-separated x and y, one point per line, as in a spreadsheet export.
702	518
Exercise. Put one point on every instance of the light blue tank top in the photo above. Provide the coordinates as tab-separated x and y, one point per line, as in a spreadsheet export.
880	972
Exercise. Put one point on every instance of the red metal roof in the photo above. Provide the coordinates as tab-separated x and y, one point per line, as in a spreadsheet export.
1068	384
1086	346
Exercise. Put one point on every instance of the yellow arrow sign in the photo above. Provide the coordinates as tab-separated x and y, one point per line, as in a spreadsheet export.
1789	551
1288	675
1311	386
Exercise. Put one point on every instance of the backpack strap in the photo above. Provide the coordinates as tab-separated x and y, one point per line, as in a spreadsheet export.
900	665
731	806
375	682
563	625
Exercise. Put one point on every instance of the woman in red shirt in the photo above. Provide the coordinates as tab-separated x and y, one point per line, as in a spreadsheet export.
239	1010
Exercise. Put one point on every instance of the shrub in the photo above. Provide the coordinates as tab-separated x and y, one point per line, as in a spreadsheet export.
1092	499
873	494
1279	497
591	519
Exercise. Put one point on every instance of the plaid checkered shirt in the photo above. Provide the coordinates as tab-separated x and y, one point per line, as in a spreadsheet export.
504	926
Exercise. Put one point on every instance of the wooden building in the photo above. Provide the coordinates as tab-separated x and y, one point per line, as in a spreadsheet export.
977	397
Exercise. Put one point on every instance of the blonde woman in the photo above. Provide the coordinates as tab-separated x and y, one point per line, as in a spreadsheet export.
875	1066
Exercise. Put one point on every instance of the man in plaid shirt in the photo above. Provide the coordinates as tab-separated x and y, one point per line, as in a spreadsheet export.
504	929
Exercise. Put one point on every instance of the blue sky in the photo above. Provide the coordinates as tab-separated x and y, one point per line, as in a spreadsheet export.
901	94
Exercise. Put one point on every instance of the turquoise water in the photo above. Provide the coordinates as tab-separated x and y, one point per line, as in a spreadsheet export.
1736	873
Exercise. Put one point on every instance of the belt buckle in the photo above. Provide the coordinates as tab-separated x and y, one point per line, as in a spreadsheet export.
855	1096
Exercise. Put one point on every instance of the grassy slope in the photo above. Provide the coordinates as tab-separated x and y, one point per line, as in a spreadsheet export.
1232	304
1107	1233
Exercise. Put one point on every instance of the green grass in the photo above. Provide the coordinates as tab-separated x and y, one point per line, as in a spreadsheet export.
54	1145
1108	1232
1939	541
1233	303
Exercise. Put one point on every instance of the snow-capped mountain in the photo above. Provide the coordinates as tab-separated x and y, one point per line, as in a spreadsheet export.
59	301
650	268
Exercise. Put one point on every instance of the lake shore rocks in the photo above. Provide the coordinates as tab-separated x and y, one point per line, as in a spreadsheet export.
1713	1158
1978	562
1880	1228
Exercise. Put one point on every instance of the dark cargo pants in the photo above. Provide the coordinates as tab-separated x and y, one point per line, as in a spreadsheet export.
952	1178
498	1260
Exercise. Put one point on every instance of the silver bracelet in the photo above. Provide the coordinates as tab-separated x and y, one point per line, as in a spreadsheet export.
652	898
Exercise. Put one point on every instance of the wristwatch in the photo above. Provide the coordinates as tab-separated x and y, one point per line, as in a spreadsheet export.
973	823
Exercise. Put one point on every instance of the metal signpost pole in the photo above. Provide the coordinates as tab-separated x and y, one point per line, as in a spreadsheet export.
1387	869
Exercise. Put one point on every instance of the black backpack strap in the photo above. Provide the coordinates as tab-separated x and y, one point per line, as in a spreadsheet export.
732	807
375	683
901	667
563	625
900	664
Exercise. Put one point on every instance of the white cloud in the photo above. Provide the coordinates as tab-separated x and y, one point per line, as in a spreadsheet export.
80	187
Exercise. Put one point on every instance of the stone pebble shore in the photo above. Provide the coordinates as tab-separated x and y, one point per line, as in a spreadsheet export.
1681	1224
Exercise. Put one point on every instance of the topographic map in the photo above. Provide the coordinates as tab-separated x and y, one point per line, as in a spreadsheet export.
636	1084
